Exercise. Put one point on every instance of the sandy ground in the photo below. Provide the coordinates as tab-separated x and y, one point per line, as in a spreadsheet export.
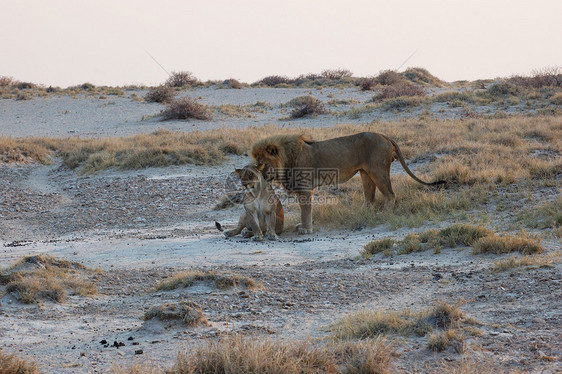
140	227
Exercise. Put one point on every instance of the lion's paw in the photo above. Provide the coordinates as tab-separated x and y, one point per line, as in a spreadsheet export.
303	231
257	238
272	237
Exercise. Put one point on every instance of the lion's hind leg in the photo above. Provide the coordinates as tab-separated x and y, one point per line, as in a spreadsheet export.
369	187
382	181
238	229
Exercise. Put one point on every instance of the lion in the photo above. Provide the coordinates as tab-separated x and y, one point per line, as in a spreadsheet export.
301	165
263	210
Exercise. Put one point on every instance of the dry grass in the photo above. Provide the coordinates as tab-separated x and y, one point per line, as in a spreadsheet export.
37	278
237	355
442	340
221	281
474	152
523	243
181	79
188	312
11	364
367	324
528	262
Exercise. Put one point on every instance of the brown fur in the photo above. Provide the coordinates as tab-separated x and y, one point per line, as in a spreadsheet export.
368	153
263	210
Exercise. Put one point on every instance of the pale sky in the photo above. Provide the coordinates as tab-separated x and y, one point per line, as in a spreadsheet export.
67	42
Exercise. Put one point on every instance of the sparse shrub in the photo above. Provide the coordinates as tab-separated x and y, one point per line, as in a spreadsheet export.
367	84
181	79
556	99
401	102
186	108
389	78
411	243
500	89
376	246
6	81
522	243
304	106
24	85
186	311
399	89
547	77
422	76
336	74
274	80
160	94
233	83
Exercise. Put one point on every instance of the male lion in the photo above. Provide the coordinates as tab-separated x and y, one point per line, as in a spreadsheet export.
301	165
263	210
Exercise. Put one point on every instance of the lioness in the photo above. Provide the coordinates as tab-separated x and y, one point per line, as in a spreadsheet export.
263	210
301	165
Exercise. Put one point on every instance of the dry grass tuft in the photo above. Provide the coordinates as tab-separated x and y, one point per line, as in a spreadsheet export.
523	243
10	364
422	76
370	324
221	281
237	355
527	262
186	311
37	278
442	340
186	108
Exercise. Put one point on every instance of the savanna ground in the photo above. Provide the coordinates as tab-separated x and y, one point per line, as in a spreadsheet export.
111	261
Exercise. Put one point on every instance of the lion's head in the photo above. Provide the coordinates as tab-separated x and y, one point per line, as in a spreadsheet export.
279	151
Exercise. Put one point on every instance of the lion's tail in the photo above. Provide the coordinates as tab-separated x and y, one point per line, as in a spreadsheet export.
405	166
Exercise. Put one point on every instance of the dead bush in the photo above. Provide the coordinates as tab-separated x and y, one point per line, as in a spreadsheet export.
399	89
186	108
389	78
181	79
336	74
304	106
274	80
160	94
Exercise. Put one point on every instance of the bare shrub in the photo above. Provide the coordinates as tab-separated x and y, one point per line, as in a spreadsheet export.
304	106
221	281
181	79
399	89
274	80
6	81
160	94
547	77
442	340
233	83
389	78
368	83
186	108
24	85
336	74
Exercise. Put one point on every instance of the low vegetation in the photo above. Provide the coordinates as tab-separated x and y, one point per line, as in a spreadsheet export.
221	281
187	312
36	278
238	355
306	106
11	364
527	262
480	238
160	94
368	324
181	79
442	340
186	108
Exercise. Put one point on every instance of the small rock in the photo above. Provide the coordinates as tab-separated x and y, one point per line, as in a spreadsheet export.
139	352
103	341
